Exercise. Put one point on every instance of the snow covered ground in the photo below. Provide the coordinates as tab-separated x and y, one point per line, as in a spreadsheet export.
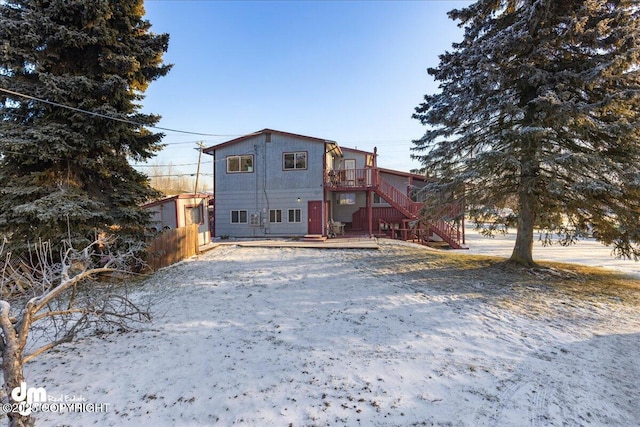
587	252
304	337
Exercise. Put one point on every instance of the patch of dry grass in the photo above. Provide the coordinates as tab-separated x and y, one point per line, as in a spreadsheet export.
449	268
563	293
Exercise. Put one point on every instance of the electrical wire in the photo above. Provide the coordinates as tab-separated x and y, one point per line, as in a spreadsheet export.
104	116
389	142
170	165
178	175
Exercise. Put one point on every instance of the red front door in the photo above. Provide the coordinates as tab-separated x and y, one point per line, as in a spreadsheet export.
315	217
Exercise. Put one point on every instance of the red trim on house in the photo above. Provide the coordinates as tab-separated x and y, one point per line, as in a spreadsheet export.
261	132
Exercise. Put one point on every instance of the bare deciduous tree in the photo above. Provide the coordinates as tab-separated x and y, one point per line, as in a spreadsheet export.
55	301
169	180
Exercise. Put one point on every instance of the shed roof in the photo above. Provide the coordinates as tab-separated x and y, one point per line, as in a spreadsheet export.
178	197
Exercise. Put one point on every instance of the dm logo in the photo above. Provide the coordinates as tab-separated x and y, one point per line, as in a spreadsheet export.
27	397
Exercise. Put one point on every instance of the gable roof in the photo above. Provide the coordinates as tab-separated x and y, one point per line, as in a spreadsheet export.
210	150
355	150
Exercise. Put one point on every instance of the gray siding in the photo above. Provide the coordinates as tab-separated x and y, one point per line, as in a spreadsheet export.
399	182
358	156
268	186
343	213
169	214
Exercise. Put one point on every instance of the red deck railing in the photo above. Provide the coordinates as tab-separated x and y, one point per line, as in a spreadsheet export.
398	199
350	179
360	220
443	223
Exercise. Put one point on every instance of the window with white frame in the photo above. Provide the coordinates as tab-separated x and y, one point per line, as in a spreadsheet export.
346	198
238	217
240	164
275	215
293	161
295	215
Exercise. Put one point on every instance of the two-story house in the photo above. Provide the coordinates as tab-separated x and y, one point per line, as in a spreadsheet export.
273	183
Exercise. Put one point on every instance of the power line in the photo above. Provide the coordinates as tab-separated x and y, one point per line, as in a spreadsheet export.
177	175
171	165
393	142
104	116
182	142
17	153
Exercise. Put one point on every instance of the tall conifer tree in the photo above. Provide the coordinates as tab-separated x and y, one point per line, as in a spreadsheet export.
64	173
540	105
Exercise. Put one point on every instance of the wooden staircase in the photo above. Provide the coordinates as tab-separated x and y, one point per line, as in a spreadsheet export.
442	223
397	199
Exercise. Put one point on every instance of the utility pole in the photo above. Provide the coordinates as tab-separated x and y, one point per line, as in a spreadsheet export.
200	147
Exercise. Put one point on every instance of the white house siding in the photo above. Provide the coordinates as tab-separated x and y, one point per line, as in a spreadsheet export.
268	186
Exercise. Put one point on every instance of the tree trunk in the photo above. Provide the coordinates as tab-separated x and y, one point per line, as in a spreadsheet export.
527	207
12	364
523	250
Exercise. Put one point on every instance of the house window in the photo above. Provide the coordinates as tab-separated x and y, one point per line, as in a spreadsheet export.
294	161
238	217
377	198
193	215
295	215
275	215
239	164
346	198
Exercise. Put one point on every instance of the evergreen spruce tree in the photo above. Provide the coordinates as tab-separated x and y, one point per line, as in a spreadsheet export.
63	173
539	105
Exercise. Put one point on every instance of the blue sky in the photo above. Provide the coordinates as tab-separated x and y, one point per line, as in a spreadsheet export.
349	71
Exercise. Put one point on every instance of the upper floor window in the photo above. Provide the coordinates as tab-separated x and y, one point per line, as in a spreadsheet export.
292	161
236	164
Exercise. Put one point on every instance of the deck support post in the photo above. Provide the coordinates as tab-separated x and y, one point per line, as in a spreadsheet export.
370	211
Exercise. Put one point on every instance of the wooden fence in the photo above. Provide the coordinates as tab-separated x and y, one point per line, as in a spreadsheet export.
172	246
